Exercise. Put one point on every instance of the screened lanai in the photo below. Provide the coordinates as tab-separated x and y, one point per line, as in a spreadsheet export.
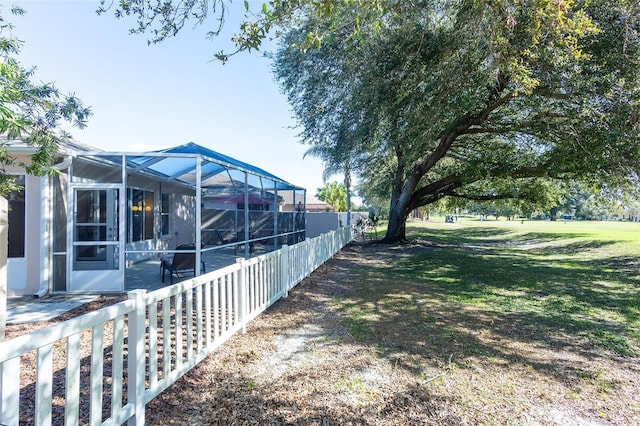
118	211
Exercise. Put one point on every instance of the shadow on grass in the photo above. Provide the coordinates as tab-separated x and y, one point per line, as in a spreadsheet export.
305	372
233	398
539	289
476	295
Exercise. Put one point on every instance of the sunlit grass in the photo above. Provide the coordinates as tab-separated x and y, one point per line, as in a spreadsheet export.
570	277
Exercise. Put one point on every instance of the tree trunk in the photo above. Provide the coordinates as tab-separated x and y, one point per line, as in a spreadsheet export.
399	211
396	229
347	184
4	238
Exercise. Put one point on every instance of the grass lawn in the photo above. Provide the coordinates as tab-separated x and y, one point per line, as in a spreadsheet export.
496	314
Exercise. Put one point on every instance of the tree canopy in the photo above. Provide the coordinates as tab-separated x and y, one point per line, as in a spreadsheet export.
29	111
161	19
334	193
472	99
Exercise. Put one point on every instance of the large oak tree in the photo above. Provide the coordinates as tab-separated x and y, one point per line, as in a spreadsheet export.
471	99
475	99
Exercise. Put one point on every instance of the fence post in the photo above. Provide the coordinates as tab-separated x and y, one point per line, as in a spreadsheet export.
9	391
284	270
136	357
242	291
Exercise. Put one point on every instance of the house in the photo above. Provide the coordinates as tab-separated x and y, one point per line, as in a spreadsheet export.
310	203
79	230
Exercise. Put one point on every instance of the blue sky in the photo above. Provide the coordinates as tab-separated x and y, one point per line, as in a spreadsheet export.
148	97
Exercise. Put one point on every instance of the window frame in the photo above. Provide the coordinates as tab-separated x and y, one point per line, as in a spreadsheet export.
140	215
165	206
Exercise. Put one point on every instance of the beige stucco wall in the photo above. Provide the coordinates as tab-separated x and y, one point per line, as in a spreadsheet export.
35	233
182	219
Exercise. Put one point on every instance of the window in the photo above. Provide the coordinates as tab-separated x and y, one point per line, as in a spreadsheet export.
164	215
148	215
141	215
17	228
261	207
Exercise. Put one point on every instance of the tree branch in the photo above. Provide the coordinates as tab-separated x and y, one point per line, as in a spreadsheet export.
495	101
484	197
434	191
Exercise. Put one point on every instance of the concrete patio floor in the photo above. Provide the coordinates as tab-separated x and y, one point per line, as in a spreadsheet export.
142	275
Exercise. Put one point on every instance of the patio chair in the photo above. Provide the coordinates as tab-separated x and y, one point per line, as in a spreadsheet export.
221	238
240	238
178	263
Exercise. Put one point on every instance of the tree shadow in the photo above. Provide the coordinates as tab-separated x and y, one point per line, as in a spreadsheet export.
440	299
430	302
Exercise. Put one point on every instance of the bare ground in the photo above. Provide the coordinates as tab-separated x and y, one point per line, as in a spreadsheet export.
298	365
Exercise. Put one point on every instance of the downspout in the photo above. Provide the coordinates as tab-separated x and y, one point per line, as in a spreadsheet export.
46	251
64	164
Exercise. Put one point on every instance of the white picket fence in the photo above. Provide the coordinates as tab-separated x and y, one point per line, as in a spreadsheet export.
137	348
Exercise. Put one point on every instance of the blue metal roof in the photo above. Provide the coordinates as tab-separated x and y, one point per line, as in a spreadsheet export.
179	164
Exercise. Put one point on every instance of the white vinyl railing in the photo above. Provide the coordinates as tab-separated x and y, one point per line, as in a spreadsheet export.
103	367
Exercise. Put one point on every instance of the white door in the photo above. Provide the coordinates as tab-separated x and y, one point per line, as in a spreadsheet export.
95	265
